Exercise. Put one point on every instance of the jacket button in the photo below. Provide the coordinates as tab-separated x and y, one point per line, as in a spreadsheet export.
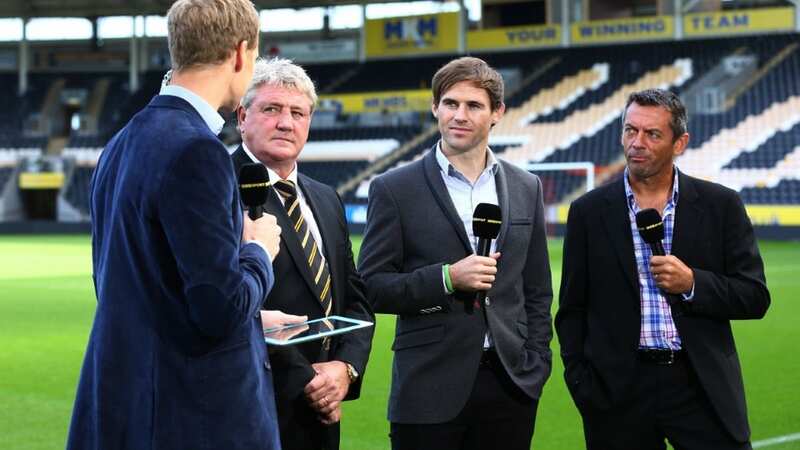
487	302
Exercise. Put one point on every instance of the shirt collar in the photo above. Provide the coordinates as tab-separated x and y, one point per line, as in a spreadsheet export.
273	176
210	116
450	170
673	201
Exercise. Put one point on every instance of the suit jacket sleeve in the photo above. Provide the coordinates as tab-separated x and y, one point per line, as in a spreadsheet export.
570	320
223	281
292	372
391	289
740	290
537	285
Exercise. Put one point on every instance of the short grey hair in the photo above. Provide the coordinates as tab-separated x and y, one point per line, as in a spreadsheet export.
280	72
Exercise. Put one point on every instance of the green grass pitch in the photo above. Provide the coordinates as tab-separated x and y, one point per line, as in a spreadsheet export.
47	304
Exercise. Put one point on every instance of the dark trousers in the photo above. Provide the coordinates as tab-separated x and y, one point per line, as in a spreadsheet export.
669	405
497	415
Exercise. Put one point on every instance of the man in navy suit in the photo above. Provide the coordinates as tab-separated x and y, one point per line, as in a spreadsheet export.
176	357
315	270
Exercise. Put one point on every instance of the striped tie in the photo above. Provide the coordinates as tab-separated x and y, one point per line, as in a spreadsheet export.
317	264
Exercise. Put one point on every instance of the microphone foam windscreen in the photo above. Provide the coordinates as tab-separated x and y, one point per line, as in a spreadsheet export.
486	221
650	225
253	184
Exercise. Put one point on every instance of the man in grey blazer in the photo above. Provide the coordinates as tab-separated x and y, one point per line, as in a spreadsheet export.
459	380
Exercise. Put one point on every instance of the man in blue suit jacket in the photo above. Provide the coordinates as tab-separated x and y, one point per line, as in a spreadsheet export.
176	357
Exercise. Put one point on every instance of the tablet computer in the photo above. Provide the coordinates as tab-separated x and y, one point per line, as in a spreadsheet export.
297	333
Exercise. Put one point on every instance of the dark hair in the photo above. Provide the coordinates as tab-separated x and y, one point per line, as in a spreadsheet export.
469	69
665	99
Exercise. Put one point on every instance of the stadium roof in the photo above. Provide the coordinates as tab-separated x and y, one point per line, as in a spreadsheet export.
94	8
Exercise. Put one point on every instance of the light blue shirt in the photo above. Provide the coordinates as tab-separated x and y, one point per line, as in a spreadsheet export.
658	329
210	116
466	195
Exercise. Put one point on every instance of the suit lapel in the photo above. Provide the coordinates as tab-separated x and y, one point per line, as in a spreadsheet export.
688	219
618	230
240	158
501	182
434	179
318	208
289	237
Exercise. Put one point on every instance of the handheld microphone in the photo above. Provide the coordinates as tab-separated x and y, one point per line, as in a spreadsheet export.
486	221
253	188
651	229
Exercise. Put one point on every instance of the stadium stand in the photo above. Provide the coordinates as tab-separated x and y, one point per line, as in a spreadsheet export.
564	107
786	192
371	76
770	153
327	77
332	172
81	164
8	161
334	155
18	110
571	113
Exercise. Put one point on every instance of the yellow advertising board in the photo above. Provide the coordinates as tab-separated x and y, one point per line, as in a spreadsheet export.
623	30
786	215
412	35
531	36
41	180
386	101
740	21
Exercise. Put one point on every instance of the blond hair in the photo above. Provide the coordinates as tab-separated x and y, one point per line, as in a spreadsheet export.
204	32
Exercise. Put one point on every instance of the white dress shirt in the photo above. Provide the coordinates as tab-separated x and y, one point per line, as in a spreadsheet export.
304	208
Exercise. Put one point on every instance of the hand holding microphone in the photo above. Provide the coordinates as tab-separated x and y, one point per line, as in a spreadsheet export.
477	272
669	272
474	273
254	189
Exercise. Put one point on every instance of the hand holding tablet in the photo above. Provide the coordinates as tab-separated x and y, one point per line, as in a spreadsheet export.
310	330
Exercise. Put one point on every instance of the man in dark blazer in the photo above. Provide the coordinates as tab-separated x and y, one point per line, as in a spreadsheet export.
176	357
646	340
311	379
459	380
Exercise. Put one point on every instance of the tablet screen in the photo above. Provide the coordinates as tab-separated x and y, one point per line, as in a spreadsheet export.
312	329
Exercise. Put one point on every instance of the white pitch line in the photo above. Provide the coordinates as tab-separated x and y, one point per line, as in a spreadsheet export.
777	440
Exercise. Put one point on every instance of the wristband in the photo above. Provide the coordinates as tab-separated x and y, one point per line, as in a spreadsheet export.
448	283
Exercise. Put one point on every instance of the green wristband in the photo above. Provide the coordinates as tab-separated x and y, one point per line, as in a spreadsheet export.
448	283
